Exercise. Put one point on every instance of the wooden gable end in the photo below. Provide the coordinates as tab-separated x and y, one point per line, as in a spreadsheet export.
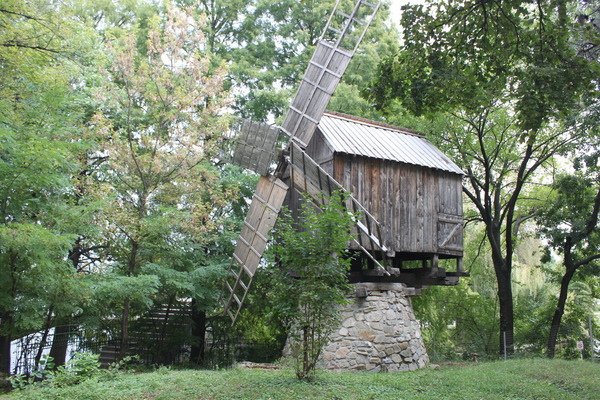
419	208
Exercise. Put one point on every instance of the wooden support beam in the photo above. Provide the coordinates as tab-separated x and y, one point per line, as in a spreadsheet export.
435	261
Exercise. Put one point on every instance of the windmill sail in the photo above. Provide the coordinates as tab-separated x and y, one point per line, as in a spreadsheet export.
341	37
251	244
255	149
255	145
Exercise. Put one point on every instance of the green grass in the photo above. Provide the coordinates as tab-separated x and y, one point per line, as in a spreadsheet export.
517	379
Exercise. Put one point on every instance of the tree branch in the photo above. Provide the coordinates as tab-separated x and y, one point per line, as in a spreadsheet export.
586	261
593	221
26	46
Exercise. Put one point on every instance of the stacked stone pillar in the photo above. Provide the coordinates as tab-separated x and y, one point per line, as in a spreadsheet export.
379	332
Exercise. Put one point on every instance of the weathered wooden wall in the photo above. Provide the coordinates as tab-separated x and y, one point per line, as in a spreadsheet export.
419	208
319	151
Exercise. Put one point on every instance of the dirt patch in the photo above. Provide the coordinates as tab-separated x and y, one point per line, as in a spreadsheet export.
252	365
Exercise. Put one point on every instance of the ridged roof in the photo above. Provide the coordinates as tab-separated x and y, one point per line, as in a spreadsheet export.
352	135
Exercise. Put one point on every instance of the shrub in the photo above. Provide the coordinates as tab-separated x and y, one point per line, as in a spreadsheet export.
314	278
43	372
81	367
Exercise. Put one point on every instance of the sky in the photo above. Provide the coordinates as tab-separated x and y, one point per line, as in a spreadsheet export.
395	9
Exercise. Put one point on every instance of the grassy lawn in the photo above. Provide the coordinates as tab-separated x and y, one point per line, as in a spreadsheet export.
518	379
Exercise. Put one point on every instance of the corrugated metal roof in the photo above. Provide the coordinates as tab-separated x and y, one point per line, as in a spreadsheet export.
347	134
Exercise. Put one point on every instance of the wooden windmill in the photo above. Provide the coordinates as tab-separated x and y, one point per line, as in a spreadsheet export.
256	149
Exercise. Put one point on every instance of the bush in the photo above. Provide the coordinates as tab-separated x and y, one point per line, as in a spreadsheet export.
314	281
43	372
81	367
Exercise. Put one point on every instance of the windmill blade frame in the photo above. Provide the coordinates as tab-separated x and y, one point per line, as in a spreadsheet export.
252	242
255	145
333	53
325	70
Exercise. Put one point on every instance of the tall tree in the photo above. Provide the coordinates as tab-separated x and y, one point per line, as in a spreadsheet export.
224	27
570	224
41	141
504	75
268	44
162	126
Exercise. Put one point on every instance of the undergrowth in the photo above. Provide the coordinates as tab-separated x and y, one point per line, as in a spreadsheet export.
513	379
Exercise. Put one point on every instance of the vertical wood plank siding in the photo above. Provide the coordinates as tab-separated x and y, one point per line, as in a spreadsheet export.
407	200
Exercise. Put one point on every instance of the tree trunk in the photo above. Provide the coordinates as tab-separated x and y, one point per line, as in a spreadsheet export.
198	334
506	314
559	311
502	268
5	354
5	340
305	367
60	339
60	342
131	268
47	326
124	345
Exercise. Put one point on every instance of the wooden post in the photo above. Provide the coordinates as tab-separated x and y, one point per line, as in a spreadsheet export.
592	355
435	262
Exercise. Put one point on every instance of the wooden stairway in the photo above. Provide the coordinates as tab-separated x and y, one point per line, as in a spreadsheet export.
155	327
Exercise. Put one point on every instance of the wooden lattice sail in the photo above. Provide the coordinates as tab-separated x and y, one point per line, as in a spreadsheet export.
255	145
251	244
341	37
256	149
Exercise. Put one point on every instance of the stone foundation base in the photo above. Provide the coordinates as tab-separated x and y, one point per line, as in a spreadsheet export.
379	332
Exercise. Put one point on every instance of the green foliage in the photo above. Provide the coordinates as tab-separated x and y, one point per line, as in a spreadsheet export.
268	45
457	322
503	85
42	141
126	364
161	125
569	223
533	314
69	182
468	54
313	276
262	322
529	379
32	263
108	203
581	306
568	211
42	372
81	367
